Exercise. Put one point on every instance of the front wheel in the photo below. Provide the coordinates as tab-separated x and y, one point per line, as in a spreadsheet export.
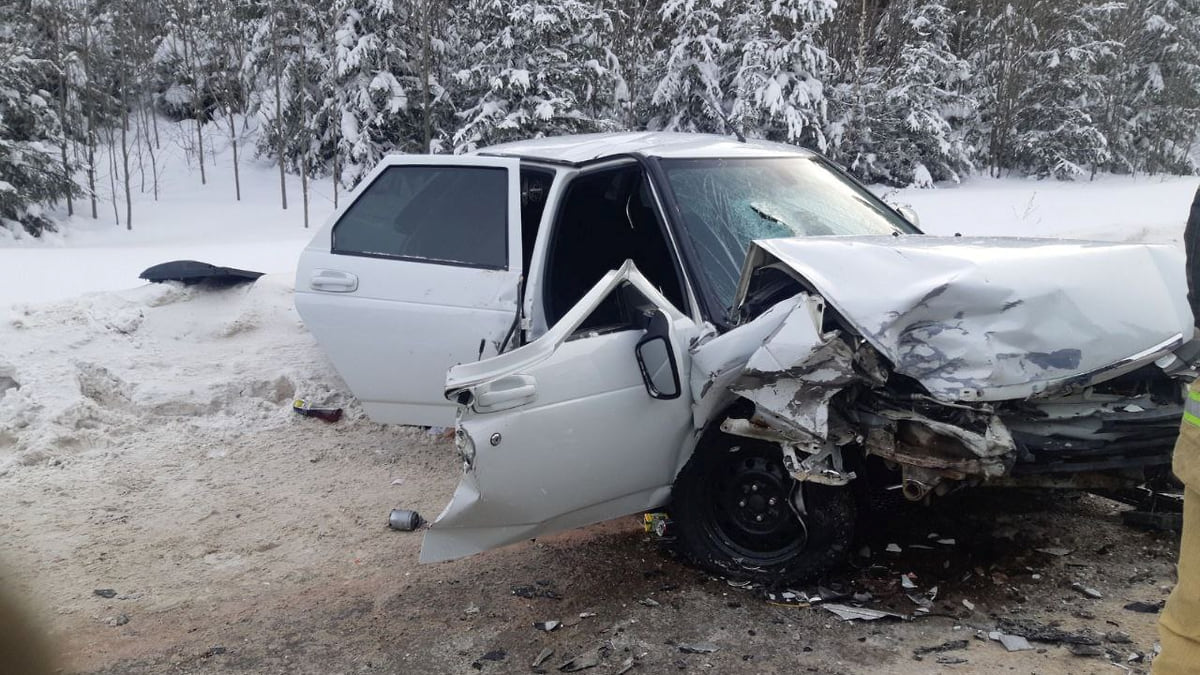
735	511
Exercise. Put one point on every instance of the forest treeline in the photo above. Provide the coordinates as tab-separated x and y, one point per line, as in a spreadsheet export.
903	92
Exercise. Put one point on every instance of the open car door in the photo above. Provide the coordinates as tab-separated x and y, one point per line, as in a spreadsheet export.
417	273
574	428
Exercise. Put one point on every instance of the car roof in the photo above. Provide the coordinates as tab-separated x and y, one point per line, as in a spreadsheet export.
582	149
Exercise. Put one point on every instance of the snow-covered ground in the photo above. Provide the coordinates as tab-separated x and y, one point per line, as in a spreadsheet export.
189	221
86	349
1110	208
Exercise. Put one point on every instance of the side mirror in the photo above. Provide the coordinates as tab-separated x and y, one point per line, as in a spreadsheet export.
656	359
908	213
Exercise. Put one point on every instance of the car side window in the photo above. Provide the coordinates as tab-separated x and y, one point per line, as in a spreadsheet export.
455	215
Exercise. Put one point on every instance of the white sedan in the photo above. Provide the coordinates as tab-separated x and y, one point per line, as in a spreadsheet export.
734	333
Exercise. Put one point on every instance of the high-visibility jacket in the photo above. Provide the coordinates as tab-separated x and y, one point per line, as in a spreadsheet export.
1179	625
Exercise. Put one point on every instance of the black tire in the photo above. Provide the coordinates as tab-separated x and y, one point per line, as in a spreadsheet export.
722	522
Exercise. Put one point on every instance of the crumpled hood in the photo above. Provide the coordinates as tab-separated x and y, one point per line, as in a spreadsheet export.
994	318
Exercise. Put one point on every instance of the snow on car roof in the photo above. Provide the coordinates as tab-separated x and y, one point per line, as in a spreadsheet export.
585	148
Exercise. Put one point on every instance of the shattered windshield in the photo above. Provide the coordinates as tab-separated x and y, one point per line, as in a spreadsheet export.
727	203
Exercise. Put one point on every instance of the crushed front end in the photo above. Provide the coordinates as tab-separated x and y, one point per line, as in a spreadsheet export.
955	362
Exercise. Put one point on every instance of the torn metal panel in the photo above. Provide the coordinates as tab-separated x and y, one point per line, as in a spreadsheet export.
990	319
719	361
796	371
849	613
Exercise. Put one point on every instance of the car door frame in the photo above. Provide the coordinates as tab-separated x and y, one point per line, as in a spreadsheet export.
533	315
501	297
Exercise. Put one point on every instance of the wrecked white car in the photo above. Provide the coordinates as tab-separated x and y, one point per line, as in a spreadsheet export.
735	333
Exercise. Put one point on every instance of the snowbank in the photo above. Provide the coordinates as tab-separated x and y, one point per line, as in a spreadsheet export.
188	363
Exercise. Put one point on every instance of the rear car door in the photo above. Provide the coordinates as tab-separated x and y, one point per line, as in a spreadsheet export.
576	427
418	272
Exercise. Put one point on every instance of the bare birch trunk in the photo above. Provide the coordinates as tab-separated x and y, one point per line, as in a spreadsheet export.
125	154
279	144
112	173
304	188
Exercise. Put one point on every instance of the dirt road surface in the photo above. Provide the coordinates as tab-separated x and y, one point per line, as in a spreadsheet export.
266	551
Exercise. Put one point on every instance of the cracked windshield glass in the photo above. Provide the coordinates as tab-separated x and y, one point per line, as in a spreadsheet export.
728	203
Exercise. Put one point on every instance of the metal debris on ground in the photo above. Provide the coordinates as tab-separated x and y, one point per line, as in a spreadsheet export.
922	602
893	548
547	625
1087	591
1013	643
793	598
948	646
471	609
848	613
947	542
404	520
1146	607
968	604
586	615
105	592
1054	551
1039	632
626	666
649	602
542	656
698	648
951	660
906	580
582	662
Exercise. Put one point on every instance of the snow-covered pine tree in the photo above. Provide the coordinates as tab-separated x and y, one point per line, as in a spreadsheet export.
531	68
776	89
1153	110
898	108
31	133
693	68
374	80
1057	131
1035	73
632	50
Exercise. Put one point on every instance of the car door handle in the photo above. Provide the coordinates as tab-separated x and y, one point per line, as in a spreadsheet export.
333	281
507	392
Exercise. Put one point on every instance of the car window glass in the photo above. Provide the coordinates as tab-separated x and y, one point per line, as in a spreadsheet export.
442	214
727	203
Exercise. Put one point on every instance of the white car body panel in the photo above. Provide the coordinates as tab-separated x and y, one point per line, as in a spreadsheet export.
563	432
393	335
587	444
992	318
